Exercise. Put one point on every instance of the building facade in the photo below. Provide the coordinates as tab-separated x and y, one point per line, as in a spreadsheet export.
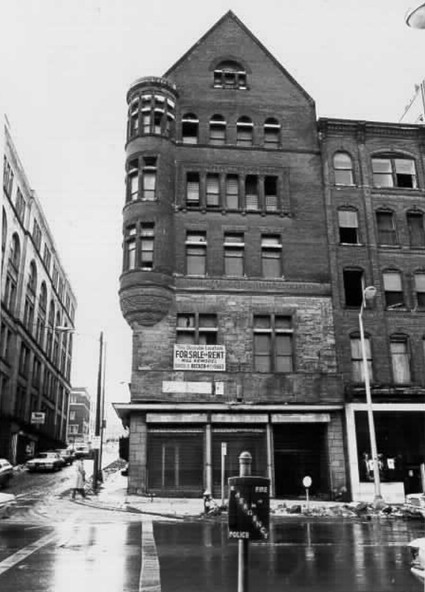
226	280
37	317
374	183
80	417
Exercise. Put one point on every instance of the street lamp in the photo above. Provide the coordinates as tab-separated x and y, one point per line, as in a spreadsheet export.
368	295
415	17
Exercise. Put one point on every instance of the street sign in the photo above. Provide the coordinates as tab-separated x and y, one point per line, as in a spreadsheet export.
95	442
307	481
224	448
249	508
38	417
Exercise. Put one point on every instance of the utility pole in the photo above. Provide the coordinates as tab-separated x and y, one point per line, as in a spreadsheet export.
97	427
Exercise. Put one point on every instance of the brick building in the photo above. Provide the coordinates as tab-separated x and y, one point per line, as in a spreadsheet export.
79	421
226	281
374	183
37	308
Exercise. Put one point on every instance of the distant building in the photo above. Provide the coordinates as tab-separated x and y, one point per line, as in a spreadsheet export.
415	110
37	315
79	416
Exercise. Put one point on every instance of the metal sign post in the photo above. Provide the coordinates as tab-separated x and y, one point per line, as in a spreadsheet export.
249	513
307	483
223	469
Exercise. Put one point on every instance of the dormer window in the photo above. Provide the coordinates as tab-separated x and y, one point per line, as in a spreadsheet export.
229	74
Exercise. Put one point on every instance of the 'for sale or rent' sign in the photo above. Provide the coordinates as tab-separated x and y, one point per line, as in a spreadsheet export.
210	358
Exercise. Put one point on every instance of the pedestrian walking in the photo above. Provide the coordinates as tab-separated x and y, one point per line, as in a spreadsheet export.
79	479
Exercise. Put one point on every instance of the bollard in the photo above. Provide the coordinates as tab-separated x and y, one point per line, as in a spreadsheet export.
245	461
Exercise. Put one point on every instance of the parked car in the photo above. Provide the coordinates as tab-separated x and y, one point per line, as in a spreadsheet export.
45	461
82	451
415	503
6	472
417	558
67	455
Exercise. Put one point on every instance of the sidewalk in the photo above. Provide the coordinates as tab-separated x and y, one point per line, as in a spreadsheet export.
113	495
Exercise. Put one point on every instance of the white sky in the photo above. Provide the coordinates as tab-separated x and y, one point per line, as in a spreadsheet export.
67	65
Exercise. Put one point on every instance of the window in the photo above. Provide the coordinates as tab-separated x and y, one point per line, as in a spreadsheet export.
343	169
133	117
348	227
192	190
273	343
271	133
47	258
270	193
190	125
386	228
196	252
5	342
10	293
251	192
229	74
244	131
271	255
36	370
55	277
15	251
234	254
197	328
357	359
157	115
7	177
393	289
24	360
394	172
72	415
32	278
420	290
213	190
217	130
20	205
149	178
130	247
400	359
28	313
133	180
3	233
353	287
232	192
36	234
415	224
147	231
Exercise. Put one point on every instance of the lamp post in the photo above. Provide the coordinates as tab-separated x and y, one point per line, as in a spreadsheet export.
98	430
415	17
368	295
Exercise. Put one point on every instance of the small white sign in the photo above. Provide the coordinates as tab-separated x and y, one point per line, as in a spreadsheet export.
95	442
38	417
307	482
188	356
224	448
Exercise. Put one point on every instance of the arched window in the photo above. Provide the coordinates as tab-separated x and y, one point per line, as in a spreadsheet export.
15	251
244	131
271	133
230	74
343	169
190	125
217	130
416	226
32	279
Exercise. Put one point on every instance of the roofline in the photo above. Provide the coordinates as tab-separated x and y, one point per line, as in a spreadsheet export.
334	121
232	15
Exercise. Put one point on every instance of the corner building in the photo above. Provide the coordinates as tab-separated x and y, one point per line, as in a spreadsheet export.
226	280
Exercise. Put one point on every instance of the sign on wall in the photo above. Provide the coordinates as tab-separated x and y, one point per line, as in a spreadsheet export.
38	417
211	358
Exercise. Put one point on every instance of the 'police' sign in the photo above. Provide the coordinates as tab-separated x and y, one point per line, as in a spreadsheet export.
249	508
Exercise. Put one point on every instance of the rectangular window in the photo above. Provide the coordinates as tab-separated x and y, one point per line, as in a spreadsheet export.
270	193
130	248
197	328
348	227
133	180
271	256
273	343
5	342
72	415
192	190
386	228
29	314
196	252
393	289
420	290
10	293
24	360
20	205
234	254
36	234
251	192
415	223
47	258
394	172
149	179
7	177
400	361
353	287
213	190
357	359
232	192
147	237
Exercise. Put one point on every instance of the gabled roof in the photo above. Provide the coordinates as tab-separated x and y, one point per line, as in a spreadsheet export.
230	15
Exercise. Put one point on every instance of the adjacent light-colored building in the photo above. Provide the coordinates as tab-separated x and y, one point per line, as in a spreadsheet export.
80	416
37	317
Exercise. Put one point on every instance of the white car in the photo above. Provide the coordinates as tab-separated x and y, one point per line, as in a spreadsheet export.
417	556
6	472
415	503
45	461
